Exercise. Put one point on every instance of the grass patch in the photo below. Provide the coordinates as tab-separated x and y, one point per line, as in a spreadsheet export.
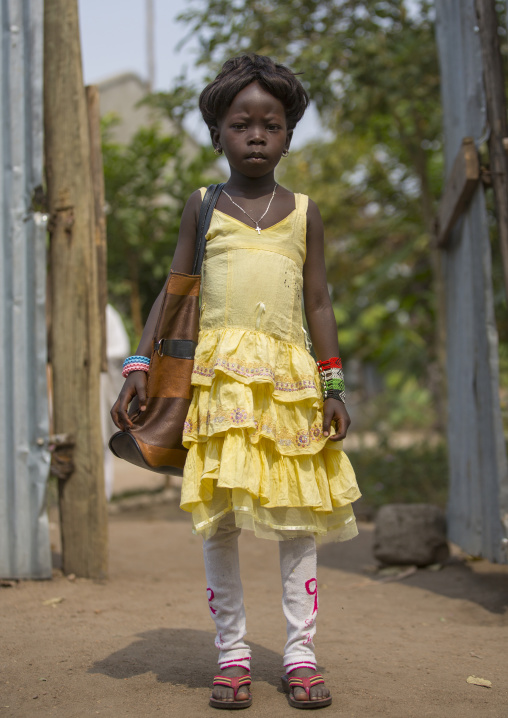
418	474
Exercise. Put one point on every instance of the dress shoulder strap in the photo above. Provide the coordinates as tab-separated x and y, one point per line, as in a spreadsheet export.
301	203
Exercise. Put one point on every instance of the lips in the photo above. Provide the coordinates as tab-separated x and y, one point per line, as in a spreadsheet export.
256	156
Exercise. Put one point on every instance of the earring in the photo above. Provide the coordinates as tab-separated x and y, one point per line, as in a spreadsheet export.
217	150
285	153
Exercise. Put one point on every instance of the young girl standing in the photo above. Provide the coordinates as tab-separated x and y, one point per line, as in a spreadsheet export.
265	423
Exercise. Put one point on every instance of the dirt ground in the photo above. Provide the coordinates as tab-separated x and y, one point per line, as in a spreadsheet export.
141	643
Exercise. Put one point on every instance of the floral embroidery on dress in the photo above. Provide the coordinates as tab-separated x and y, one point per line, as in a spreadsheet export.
221	418
187	426
295	385
238	416
302	439
251	371
285	442
202	370
248	371
267	429
316	432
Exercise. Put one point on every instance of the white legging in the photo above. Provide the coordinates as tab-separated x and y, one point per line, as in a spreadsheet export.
225	597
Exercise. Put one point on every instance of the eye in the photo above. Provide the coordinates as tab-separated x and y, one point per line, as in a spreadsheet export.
238	125
273	127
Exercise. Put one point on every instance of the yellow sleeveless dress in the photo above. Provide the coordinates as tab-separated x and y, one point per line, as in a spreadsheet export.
254	426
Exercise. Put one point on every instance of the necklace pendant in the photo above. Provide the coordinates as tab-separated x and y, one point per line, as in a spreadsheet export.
254	221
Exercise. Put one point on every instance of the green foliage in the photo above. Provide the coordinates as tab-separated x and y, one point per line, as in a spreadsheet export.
147	183
379	268
369	66
371	69
418	474
377	250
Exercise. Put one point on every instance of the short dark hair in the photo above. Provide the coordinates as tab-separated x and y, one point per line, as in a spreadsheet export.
238	72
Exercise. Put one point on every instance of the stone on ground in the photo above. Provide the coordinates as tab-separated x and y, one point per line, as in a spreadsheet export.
410	534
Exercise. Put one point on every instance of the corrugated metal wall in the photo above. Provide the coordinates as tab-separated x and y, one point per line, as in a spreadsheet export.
478	506
24	463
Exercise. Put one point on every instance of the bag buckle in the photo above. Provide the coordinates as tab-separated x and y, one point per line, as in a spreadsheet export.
159	347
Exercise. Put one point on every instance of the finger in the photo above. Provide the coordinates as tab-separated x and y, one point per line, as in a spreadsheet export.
327	419
114	415
341	426
340	430
122	418
119	411
125	420
118	415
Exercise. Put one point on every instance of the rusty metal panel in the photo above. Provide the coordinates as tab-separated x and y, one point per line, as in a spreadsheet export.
24	457
478	500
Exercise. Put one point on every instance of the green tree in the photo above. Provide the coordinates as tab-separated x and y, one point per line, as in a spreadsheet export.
371	69
377	259
147	183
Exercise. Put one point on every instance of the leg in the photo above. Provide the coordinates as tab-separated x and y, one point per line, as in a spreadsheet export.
298	564
225	599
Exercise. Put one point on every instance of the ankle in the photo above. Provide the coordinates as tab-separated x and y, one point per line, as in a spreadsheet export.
234	671
302	671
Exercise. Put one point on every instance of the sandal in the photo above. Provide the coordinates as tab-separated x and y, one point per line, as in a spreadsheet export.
234	682
291	682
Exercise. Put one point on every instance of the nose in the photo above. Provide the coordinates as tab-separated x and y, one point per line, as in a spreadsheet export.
257	136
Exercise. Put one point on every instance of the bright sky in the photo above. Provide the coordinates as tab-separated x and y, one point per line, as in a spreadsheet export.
113	40
113	37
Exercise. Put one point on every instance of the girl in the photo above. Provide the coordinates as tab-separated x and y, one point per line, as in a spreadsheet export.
262	452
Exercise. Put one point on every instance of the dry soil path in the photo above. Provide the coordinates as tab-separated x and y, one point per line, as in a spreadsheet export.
141	643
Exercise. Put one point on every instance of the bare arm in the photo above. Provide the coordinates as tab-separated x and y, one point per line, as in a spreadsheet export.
135	384
320	316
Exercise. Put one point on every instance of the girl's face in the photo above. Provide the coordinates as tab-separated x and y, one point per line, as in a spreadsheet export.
253	133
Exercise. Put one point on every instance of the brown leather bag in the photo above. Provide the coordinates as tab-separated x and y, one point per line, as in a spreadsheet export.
155	440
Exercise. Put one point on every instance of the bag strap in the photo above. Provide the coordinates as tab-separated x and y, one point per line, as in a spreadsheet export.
205	215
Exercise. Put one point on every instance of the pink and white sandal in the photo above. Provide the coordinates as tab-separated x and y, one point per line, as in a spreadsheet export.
234	682
289	683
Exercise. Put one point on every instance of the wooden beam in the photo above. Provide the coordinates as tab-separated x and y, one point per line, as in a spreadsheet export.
461	184
75	339
493	80
94	124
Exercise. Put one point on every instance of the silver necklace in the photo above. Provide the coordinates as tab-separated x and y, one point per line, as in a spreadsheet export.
256	222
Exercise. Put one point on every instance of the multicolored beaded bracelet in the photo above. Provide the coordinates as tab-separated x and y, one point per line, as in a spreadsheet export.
332	379
136	362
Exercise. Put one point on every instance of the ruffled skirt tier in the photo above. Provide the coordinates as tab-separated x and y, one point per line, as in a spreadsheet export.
254	434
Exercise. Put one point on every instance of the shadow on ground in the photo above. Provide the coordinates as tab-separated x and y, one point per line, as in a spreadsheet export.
180	657
457	579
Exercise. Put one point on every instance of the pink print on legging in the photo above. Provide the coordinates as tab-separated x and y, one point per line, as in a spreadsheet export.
211	596
308	587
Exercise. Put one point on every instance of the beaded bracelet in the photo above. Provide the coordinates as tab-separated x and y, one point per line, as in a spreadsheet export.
136	362
332	379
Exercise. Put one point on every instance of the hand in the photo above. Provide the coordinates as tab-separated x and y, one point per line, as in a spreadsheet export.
334	411
135	384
